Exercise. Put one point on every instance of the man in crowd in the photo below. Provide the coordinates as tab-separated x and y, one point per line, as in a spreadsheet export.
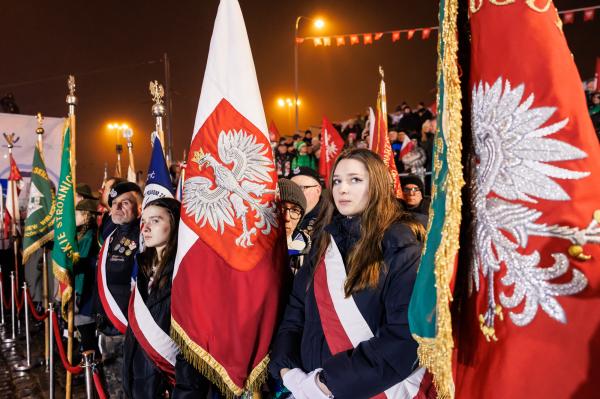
414	202
105	224
293	206
117	262
309	181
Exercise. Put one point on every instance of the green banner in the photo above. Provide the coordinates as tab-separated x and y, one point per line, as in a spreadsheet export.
66	251
39	223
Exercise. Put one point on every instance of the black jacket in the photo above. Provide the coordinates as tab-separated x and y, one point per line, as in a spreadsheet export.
376	364
141	378
123	247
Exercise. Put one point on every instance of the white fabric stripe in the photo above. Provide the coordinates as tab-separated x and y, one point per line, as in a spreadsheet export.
186	238
158	339
116	310
356	327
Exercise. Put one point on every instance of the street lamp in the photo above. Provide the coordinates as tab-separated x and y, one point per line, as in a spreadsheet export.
118	128
319	23
288	103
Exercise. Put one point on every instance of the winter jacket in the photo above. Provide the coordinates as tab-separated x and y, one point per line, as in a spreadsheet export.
141	377
376	364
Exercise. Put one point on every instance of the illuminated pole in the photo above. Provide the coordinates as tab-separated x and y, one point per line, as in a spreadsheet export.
319	24
158	111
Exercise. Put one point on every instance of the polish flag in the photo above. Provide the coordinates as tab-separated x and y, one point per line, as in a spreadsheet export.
332	145
229	269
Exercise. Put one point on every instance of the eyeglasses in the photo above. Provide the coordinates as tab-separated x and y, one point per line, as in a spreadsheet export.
304	188
411	190
295	213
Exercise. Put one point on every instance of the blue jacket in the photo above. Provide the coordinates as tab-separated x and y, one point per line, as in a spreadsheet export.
374	365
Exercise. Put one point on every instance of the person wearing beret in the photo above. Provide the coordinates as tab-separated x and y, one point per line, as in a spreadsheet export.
114	276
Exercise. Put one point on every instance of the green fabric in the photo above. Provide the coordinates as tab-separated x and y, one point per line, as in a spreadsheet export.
40	210
304	160
66	250
87	247
594	109
422	307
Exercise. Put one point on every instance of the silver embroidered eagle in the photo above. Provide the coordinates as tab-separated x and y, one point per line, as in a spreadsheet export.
236	189
512	151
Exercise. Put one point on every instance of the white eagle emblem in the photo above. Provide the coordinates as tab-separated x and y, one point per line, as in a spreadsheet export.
330	148
236	189
513	152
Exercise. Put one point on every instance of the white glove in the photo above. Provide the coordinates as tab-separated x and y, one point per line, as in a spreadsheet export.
292	380
310	387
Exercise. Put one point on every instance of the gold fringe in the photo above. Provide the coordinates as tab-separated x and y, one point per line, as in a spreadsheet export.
212	369
27	252
436	353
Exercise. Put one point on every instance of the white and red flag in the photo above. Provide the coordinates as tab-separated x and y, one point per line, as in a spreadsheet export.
12	195
332	145
529	323
229	267
379	140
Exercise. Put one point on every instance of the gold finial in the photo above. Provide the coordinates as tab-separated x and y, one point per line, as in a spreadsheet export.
381	71
71	85
40	121
11	139
157	92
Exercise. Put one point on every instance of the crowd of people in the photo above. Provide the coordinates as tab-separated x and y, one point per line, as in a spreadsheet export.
377	242
410	133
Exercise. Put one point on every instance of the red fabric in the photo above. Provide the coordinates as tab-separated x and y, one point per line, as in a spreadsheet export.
274	131
354	39
330	139
156	357
326	41
569	17
14	174
588	15
425	33
340	41
34	313
411	33
546	358
368	38
227	312
225	297
98	385
107	309
395	36
381	142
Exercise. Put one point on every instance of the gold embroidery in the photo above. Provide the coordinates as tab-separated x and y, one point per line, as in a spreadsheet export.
502	2
436	353
212	369
474	7
534	7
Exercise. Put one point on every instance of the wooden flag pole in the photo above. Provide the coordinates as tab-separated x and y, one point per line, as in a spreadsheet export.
71	101
11	140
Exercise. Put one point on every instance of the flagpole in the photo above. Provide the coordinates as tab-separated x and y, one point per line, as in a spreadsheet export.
158	111
10	139
40	142
71	101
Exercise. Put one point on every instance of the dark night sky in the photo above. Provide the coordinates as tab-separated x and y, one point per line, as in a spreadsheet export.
44	39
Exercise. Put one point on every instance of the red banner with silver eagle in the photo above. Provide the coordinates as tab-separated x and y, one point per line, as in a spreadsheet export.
229	267
530	325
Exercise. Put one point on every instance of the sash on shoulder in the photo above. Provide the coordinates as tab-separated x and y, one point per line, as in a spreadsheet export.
157	344
111	308
343	324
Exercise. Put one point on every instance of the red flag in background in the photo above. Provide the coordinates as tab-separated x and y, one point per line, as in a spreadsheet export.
530	327
12	194
274	132
331	146
229	266
379	140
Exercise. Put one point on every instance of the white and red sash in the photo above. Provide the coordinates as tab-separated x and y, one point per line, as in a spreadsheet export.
157	344
343	324
111	308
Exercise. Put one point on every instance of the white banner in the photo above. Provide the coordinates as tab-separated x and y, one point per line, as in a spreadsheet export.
24	128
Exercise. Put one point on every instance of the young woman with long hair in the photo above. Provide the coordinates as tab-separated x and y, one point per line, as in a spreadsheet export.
345	330
149	353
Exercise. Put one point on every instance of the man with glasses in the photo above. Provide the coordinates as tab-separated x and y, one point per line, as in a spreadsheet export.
309	181
292	205
414	202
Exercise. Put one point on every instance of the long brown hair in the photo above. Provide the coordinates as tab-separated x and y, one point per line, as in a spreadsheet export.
149	257
365	260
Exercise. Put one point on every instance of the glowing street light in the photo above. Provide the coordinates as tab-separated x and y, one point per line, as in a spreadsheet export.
319	24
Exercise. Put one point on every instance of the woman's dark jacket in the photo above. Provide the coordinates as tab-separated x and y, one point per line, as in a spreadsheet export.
141	377
374	365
